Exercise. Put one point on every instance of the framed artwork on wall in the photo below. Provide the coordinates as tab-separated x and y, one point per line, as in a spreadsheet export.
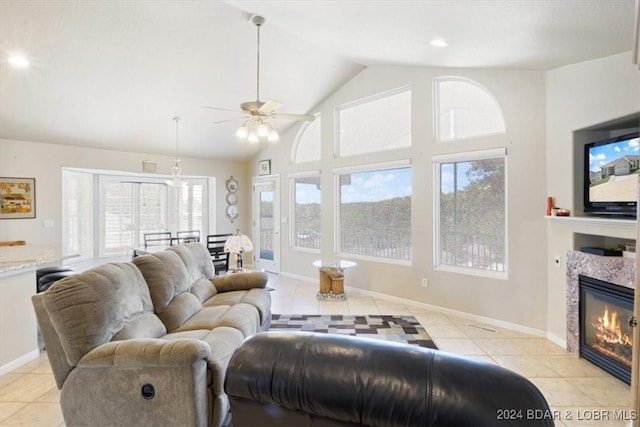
17	198
264	167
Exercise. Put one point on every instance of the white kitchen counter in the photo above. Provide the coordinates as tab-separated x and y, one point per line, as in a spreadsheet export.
13	258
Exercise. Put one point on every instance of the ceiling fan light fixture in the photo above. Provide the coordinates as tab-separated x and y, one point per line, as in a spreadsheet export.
263	130
273	136
253	137
242	132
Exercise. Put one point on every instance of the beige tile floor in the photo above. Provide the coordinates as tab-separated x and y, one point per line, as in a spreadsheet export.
578	393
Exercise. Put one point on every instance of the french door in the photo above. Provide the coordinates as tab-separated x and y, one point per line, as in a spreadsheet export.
266	223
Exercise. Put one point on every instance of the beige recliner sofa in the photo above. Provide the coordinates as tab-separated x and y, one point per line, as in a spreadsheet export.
148	342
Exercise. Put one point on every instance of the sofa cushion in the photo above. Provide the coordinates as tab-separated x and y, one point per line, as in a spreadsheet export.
258	298
92	308
197	260
168	281
243	317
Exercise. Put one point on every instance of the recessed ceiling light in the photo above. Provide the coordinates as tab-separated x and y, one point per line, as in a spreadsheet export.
19	61
439	43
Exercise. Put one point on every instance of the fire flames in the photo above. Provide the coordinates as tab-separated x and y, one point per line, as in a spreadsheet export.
610	339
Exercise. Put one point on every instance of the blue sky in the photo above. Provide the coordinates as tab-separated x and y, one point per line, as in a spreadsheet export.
604	154
365	187
447	176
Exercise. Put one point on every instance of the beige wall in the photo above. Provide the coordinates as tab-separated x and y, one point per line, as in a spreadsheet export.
522	299
44	162
579	96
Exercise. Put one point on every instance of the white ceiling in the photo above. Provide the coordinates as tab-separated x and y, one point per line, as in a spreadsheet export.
112	74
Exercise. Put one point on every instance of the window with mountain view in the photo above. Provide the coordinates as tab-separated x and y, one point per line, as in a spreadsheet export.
374	217
306	231
471	211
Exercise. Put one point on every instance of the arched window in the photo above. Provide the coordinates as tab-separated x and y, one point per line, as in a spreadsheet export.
378	123
306	147
465	109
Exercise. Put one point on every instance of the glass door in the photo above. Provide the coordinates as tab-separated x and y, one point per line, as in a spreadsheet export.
266	224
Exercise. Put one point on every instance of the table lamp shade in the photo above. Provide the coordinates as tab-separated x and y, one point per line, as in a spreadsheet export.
238	243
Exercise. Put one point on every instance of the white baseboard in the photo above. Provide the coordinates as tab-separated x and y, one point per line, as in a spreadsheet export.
22	360
488	320
556	340
299	277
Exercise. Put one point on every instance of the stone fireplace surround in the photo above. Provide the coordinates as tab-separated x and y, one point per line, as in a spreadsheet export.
617	270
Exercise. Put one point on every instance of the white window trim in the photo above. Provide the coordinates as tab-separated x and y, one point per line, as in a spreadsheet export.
354	103
370	167
493	153
208	192
296	141
292	202
436	110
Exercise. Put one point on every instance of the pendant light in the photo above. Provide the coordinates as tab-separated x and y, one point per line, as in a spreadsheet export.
176	170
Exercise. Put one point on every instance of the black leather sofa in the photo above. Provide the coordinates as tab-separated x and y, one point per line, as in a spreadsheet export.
307	379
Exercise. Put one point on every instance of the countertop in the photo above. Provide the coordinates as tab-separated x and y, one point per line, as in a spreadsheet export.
13	258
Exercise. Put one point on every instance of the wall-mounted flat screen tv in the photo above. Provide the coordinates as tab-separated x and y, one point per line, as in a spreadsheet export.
611	169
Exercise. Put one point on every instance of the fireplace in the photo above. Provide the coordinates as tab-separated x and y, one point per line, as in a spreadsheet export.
605	310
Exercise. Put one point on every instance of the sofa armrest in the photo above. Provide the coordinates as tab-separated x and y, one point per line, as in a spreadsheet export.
240	281
309	378
140	382
147	352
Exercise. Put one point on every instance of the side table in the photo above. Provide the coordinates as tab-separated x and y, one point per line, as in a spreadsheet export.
332	280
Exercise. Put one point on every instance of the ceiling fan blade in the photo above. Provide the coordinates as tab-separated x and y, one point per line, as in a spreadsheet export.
269	107
297	117
221	109
229	120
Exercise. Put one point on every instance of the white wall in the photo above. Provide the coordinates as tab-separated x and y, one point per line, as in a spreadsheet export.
579	96
44	162
522	299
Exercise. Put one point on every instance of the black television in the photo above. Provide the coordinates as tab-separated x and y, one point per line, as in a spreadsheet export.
611	169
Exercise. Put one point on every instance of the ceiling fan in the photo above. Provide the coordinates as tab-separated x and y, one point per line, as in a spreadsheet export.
258	113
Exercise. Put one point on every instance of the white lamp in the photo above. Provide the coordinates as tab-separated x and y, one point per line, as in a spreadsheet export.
238	244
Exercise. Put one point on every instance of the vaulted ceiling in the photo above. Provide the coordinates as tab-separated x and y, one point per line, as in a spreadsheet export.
112	74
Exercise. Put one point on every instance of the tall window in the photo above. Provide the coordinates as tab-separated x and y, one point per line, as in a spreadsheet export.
77	213
133	206
305	231
129	207
375	211
376	124
471	211
464	109
307	146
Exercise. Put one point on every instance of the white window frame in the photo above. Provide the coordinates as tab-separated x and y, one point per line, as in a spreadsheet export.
361	101
467	157
298	138
371	167
208	203
436	109
292	202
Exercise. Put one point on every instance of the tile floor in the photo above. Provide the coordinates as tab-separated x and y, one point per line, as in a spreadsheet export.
578	393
